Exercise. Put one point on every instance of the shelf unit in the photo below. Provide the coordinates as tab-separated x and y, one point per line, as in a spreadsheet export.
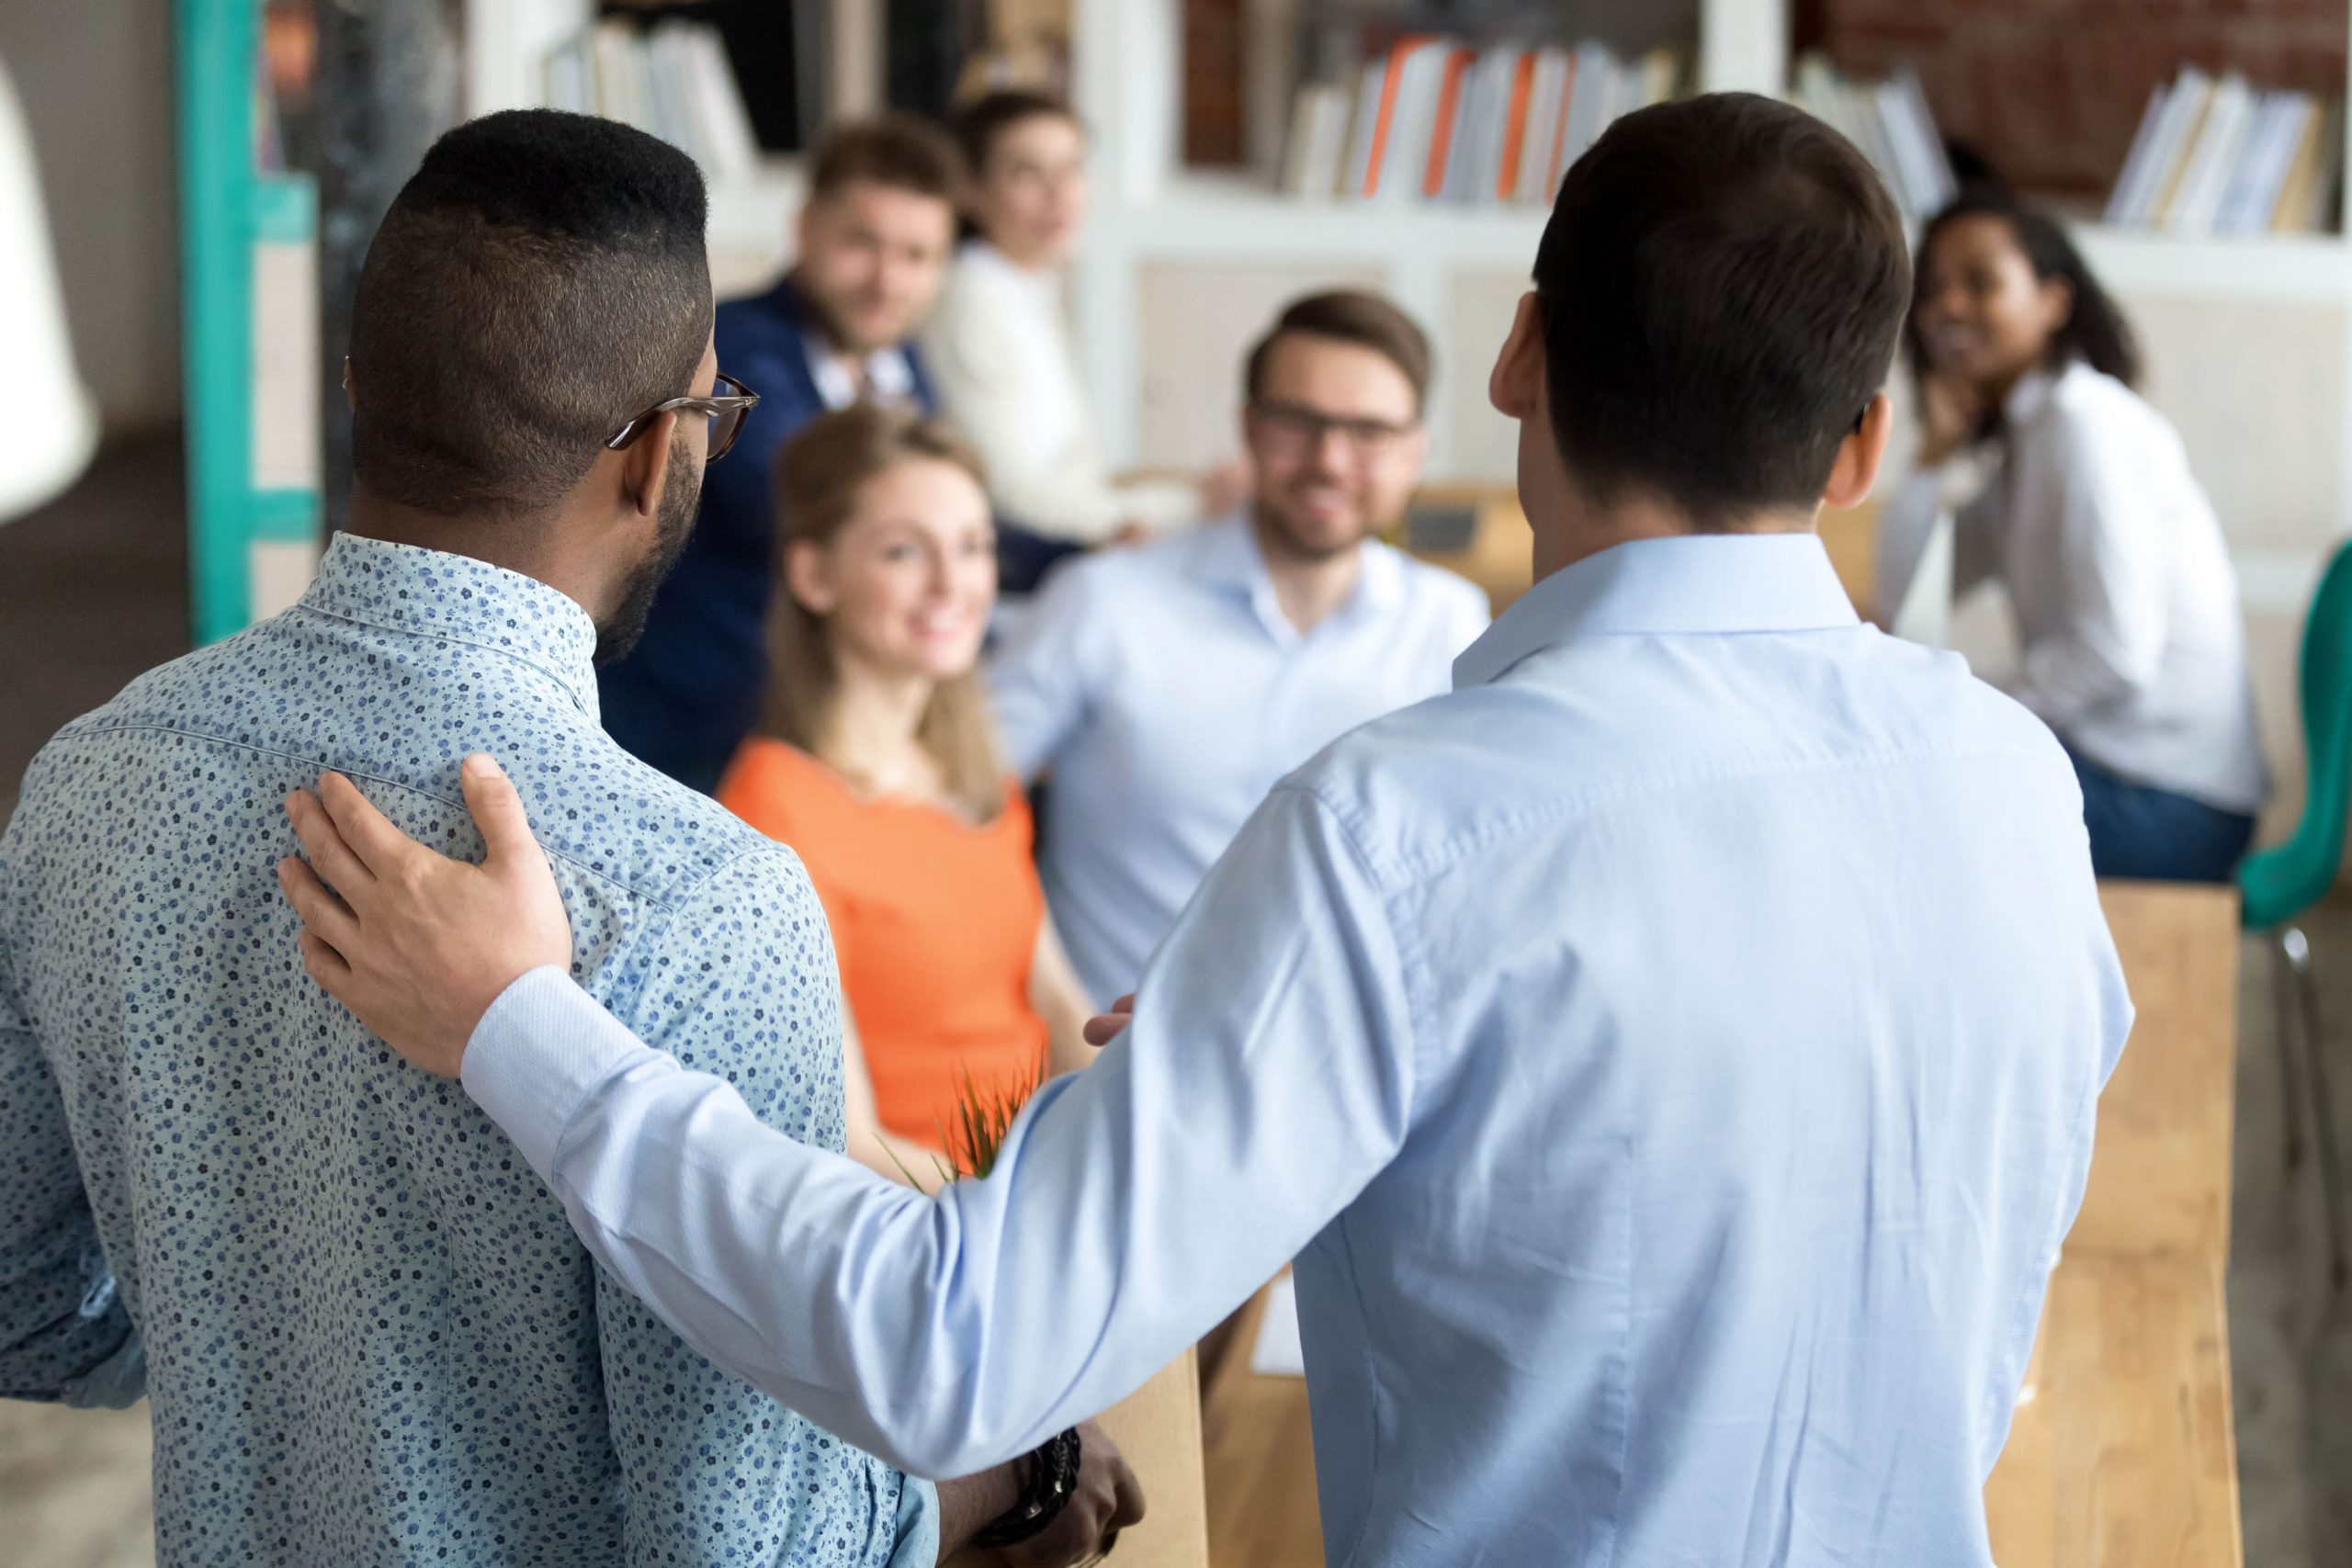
750	214
1151	214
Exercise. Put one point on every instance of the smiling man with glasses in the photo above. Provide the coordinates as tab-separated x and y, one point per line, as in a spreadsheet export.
365	1332
1168	688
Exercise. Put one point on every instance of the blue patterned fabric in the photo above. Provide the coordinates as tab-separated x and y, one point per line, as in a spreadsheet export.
370	1336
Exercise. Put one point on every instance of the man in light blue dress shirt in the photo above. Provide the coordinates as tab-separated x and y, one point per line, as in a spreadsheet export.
1167	688
366	1333
1672	1058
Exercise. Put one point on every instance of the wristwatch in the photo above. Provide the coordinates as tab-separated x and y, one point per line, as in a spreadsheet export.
1051	1481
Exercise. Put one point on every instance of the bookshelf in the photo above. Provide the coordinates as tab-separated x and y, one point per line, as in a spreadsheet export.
1157	224
508	43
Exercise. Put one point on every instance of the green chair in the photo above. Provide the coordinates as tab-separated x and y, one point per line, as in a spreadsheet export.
2279	884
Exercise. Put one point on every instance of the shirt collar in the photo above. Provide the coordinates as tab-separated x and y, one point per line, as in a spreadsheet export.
1691	584
889	378
1226	555
2029	396
454	598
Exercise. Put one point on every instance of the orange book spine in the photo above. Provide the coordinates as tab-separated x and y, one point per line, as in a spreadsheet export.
1560	136
1449	109
1523	85
1382	122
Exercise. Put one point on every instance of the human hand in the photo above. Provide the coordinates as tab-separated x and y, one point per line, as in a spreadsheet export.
418	945
1108	1499
1103	1028
1129	535
1950	413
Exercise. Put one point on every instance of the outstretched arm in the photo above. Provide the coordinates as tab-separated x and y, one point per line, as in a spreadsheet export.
1267	1072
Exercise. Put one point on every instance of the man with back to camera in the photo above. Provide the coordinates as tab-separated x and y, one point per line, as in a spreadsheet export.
1168	688
1675	1050
872	243
366	1333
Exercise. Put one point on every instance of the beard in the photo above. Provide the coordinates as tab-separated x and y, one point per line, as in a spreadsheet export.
681	491
835	328
1305	542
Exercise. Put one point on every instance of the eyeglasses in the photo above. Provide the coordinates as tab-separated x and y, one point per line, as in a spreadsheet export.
725	410
1294	427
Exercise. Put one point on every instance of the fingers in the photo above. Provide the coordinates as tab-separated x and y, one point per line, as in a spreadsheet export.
379	846
1104	1028
497	812
324	845
1126	1499
325	965
323	915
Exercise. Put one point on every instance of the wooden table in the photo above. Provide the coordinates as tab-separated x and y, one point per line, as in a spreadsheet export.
2125	1456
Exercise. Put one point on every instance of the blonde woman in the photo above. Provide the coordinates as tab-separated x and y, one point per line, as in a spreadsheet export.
876	762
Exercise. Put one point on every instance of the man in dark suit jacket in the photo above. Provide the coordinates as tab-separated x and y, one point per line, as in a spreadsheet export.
873	241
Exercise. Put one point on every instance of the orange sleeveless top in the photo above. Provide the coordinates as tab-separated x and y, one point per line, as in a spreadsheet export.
935	923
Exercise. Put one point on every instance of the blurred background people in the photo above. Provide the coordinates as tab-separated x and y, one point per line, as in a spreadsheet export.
1168	688
876	760
2068	488
873	239
999	345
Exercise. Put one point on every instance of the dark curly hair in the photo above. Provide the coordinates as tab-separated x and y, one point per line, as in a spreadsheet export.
2095	331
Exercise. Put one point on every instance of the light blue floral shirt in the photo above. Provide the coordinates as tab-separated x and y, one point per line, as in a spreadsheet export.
367	1331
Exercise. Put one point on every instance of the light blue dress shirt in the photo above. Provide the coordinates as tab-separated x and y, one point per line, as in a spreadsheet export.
1168	692
1671	1058
369	1337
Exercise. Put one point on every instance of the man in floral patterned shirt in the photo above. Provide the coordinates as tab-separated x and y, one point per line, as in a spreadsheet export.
368	1333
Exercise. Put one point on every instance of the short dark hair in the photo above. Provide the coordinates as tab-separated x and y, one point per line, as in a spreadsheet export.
989	116
1722	281
1347	315
903	151
2095	331
539	281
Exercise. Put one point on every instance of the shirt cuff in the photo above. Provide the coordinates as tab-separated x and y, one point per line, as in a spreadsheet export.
536	1057
918	1544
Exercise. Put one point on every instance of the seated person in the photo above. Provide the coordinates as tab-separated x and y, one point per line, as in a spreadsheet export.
1168	688
876	760
1001	348
872	242
2084	507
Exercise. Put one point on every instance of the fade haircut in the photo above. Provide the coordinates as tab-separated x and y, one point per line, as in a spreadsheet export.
1723	281
538	282
1347	315
901	152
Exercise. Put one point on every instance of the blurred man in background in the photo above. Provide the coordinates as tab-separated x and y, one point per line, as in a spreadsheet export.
1168	688
872	242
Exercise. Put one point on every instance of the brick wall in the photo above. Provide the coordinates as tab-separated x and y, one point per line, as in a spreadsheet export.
2050	90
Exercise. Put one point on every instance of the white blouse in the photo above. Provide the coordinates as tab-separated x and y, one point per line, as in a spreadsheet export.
998	350
2134	649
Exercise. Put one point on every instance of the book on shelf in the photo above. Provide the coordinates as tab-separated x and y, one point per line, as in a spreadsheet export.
1889	123
672	80
1435	120
2218	155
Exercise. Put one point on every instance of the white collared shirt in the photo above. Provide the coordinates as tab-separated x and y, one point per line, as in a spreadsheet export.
2134	647
890	377
1167	692
1670	1057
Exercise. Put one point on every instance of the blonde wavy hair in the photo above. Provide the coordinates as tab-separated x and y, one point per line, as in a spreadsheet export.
818	476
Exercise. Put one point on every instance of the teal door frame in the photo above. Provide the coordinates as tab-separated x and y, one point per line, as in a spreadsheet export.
227	207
